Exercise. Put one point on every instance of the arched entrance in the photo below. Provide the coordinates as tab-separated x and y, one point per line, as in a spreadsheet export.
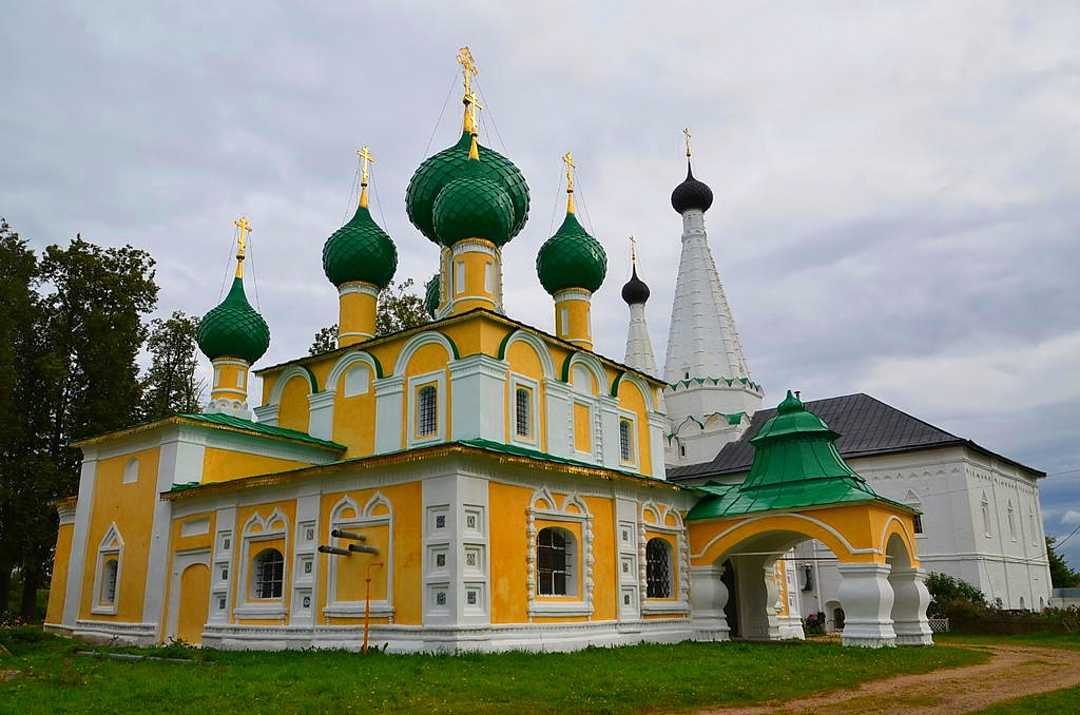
731	608
194	603
910	595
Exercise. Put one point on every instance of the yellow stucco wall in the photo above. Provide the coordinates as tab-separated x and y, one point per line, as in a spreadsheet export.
631	399
131	508
58	586
582	427
524	360
221	465
354	417
294	411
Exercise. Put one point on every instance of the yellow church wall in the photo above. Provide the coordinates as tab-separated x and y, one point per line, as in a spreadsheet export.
221	465
427	359
180	543
631	399
509	543
131	508
405	502
285	545
582	427
605	574
524	360
354	417
58	586
294	412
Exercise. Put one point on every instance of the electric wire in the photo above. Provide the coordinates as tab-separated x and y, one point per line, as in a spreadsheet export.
494	124
449	91
228	260
378	201
354	188
254	280
555	204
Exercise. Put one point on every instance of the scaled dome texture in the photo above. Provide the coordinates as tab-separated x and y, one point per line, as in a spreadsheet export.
431	296
360	251
691	194
635	291
571	259
435	172
473	206
234	328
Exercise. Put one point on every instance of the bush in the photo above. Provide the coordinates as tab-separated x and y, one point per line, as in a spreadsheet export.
948	593
814	624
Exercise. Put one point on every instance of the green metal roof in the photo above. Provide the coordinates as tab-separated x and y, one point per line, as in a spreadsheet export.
473	206
219	418
233	328
360	251
796	465
571	259
431	295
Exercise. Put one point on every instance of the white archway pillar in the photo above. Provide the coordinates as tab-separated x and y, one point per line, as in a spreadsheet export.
911	599
867	599
708	597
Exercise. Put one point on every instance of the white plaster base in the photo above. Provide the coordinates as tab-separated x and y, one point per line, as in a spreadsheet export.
911	598
867	599
116	632
709	596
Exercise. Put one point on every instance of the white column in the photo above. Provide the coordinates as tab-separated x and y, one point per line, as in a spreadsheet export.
321	411
79	536
708	597
909	606
478	384
389	392
867	599
560	438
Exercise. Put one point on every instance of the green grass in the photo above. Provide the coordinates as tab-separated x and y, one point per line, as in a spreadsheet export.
623	680
1056	701
1046	640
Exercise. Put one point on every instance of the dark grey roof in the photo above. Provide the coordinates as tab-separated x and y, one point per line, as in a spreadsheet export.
865	424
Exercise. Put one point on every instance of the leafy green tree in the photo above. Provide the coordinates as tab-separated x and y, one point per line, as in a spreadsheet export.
945	591
170	386
398	309
1061	576
325	340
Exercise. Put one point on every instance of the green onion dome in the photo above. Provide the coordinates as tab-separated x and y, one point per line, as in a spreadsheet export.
234	328
437	171
571	259
360	251
431	296
473	206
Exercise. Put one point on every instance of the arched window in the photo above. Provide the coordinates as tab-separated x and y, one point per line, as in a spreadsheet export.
108	581
1042	603
269	573
626	440
986	515
522	412
1012	521
658	568
427	423
555	555
1021	602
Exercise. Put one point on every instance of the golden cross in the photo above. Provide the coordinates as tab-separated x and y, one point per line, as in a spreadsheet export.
568	159
243	228
686	135
468	65
365	159
633	252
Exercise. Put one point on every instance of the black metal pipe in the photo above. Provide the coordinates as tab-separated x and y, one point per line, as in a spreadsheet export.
340	534
333	550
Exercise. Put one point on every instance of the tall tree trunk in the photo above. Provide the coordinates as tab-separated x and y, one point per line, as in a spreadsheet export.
28	612
5	584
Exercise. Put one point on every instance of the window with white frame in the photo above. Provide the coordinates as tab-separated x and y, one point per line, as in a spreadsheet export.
427	416
268	577
658	568
356	381
459	277
109	572
131	471
556	551
523	412
626	440
916	521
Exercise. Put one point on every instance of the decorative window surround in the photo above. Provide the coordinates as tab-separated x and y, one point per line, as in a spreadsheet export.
634	462
437	379
681	557
544	506
273	527
348	515
111	547
533	439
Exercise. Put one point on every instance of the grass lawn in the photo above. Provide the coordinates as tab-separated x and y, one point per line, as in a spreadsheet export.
1045	640
1056	701
630	679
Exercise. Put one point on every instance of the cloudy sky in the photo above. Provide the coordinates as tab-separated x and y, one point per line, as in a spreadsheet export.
897	184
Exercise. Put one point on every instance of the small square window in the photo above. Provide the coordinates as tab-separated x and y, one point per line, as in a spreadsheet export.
226	543
470	521
626	535
307	602
470	598
440	521
225	574
309	533
440	560
626	599
221	603
470	558
440	598
307	567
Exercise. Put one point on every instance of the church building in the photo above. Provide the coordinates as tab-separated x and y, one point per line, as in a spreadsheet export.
477	483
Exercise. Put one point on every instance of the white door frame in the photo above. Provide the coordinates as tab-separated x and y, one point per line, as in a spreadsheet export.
181	561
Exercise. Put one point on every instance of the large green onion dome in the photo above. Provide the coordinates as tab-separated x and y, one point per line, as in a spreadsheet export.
473	206
571	259
431	296
360	251
234	328
437	171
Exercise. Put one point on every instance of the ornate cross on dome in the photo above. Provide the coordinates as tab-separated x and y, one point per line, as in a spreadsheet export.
243	228
568	159
686	138
633	251
365	160
469	69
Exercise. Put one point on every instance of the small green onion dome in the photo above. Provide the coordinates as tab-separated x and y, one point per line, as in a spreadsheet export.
473	206
571	259
437	171
360	251
234	328
431	296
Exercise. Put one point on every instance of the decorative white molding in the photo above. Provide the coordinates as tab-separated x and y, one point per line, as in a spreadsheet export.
110	546
553	511
418	341
348	515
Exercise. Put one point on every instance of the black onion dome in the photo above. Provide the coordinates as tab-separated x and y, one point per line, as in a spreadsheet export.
635	291
691	194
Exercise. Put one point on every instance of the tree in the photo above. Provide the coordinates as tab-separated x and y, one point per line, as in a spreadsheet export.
171	386
946	591
325	340
1061	576
398	309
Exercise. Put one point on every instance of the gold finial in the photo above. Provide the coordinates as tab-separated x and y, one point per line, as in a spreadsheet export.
243	228
633	252
365	159
686	138
469	69
568	159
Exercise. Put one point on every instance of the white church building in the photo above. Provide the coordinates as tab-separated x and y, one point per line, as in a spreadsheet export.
981	520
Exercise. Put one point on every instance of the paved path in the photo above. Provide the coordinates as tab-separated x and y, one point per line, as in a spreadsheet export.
1012	672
